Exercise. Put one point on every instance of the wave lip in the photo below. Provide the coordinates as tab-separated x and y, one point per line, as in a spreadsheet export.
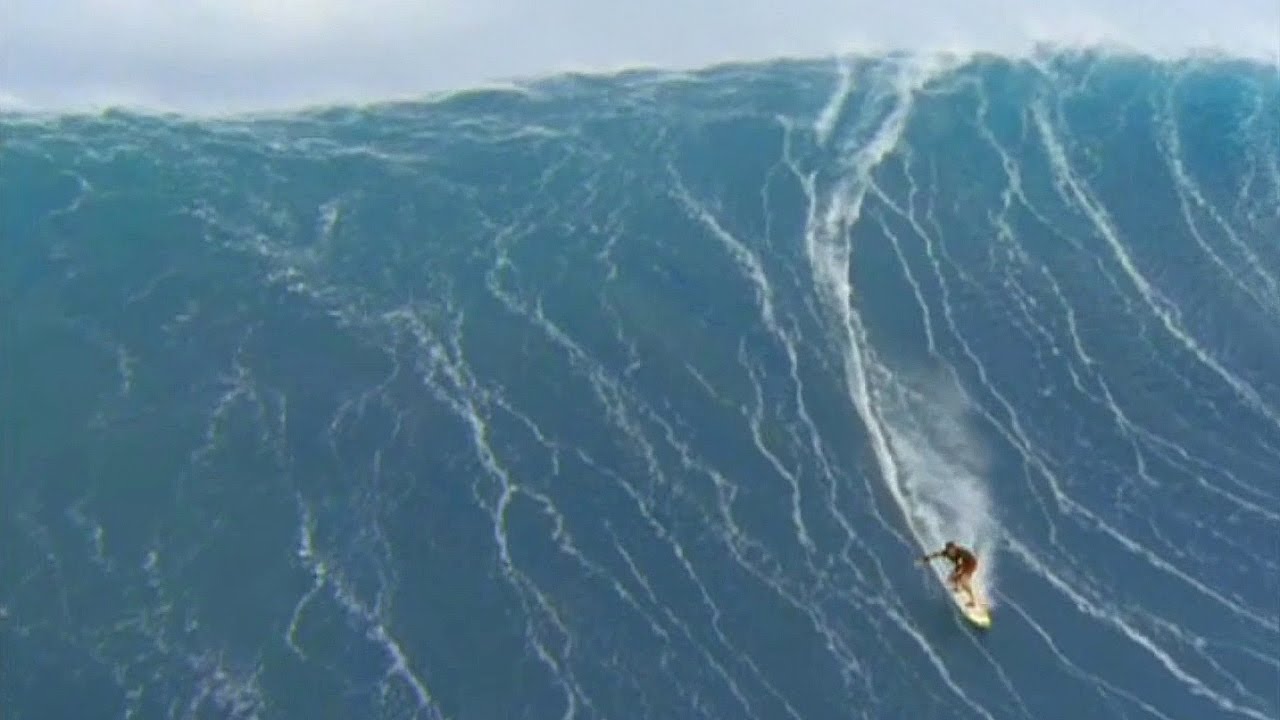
241	56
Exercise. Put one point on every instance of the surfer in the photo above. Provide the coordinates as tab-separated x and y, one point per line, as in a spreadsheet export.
963	562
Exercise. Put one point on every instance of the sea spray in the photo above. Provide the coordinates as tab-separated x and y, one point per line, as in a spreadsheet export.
941	468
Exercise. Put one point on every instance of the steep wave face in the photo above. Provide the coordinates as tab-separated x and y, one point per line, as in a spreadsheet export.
640	397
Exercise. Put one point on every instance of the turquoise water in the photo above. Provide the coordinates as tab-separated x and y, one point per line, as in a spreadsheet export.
638	396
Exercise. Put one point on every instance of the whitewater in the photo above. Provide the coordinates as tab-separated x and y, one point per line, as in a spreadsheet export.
641	395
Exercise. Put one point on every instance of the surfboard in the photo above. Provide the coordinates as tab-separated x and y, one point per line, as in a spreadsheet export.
979	614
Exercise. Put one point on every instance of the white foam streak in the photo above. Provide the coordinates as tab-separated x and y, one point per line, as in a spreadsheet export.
1189	194
1075	670
830	115
371	620
750	265
930	343
1129	427
936	662
1017	437
1160	306
1192	683
616	402
1015	434
446	374
941	499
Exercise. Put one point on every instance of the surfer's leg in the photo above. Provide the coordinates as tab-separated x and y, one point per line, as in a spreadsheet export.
964	581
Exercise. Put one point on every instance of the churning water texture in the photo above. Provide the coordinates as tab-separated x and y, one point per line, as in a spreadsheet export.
640	396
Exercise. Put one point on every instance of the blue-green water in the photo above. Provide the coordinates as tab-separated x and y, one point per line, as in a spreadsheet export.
639	396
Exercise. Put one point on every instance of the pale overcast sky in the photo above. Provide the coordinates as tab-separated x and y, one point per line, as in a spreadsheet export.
209	55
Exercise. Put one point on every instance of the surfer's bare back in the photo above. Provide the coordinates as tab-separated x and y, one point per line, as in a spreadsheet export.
963	563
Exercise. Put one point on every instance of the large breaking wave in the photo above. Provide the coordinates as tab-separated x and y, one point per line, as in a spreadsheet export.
638	396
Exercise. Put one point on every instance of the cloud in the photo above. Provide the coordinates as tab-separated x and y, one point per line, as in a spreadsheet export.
210	55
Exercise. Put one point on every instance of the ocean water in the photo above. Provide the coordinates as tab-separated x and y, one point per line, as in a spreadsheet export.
639	396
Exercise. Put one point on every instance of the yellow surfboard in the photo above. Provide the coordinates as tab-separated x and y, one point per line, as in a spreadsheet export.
979	613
